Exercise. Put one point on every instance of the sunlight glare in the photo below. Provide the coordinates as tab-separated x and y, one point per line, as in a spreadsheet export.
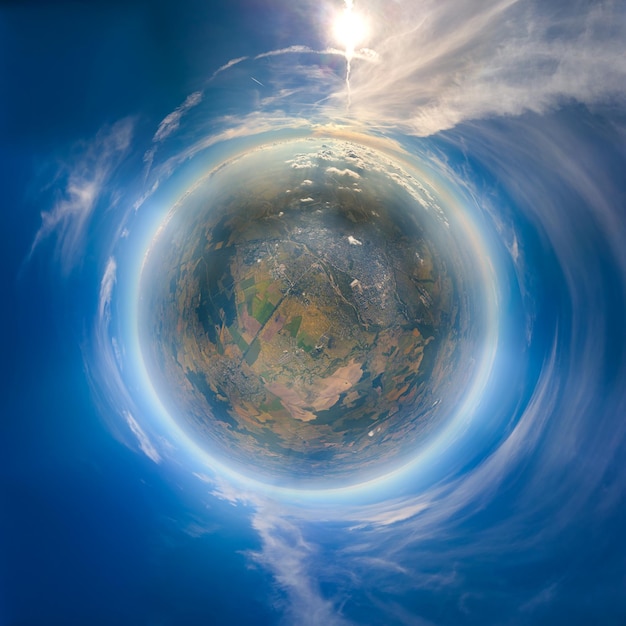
350	29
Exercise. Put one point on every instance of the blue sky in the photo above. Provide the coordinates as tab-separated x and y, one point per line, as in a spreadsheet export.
515	111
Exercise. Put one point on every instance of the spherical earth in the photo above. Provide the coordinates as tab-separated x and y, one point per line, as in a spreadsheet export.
301	314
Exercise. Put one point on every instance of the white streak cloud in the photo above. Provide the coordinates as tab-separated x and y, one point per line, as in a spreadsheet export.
106	289
144	442
170	124
462	60
86	180
291	559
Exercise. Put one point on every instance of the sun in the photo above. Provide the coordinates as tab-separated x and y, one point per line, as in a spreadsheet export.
350	29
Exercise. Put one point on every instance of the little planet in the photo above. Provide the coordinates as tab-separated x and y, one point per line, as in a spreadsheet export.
302	315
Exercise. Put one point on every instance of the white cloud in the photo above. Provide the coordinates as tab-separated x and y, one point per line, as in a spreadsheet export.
225	490
442	62
205	478
170	124
286	554
294	50
543	597
144	442
86	181
345	172
228	65
291	559
106	288
392	512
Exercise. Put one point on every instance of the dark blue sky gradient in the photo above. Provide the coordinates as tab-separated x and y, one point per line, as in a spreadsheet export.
520	521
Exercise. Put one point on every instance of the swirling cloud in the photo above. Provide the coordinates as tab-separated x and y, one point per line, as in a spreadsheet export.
523	106
86	178
443	63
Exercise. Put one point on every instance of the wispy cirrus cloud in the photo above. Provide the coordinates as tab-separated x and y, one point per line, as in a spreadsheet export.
106	289
444	62
292	560
228	65
106	373
295	49
85	181
170	124
144	441
433	65
462	61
